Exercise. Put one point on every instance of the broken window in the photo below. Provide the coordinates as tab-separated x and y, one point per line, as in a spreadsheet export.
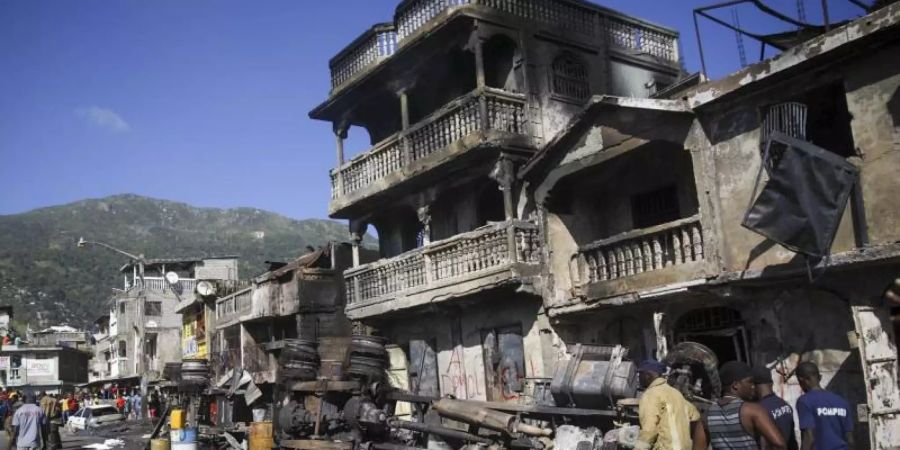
570	77
150	345
423	368
504	362
501	64
819	116
123	349
719	328
655	207
153	309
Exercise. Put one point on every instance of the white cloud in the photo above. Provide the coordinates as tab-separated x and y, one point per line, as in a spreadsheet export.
103	118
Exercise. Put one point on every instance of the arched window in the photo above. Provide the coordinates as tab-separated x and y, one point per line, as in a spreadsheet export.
570	77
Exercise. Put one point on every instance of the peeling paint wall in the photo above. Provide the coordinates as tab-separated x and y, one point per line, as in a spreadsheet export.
457	334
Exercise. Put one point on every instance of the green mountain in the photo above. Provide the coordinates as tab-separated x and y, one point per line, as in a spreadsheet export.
48	280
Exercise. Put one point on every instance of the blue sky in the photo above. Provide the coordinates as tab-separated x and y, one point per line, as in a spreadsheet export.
206	101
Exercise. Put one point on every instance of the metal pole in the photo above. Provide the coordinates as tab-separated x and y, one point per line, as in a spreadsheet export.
825	15
700	46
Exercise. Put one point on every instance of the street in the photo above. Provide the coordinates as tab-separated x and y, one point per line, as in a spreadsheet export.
128	436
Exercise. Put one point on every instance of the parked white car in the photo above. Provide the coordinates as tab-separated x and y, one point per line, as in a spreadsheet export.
94	416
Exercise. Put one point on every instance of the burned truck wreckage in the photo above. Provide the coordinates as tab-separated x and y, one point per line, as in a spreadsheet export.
555	198
589	403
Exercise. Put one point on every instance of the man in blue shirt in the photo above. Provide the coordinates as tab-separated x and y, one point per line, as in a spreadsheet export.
781	412
826	422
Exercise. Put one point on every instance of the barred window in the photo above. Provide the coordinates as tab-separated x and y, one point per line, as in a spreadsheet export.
570	77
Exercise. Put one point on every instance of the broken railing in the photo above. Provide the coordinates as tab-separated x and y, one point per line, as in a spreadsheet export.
645	250
489	247
381	41
485	109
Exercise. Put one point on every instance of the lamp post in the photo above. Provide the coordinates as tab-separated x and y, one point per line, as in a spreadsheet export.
142	366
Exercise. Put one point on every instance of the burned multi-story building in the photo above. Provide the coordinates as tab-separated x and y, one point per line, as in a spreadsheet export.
543	174
455	100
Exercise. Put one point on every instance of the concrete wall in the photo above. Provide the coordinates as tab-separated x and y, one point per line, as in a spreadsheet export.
732	132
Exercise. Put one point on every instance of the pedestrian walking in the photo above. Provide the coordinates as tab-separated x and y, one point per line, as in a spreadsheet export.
48	407
780	410
825	417
735	423
668	421
136	406
27	422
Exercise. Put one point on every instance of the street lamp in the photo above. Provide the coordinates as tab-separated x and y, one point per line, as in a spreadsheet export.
140	260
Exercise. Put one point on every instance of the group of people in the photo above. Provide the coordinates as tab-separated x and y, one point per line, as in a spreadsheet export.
30	422
748	415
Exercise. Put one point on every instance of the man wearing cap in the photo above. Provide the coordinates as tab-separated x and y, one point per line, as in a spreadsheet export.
781	412
826	421
733	422
667	419
26	424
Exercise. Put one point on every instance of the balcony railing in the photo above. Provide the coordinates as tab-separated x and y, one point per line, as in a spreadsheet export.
383	40
367	50
159	284
480	110
639	251
235	305
444	262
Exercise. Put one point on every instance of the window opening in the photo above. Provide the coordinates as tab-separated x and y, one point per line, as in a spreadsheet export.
570	77
153	309
719	328
655	207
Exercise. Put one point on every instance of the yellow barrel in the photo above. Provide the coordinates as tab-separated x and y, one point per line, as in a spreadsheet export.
261	436
176	419
159	444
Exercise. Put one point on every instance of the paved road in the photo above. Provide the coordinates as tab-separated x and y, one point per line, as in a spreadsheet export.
131	434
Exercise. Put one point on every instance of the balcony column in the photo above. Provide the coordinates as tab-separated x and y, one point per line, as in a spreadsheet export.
340	133
477	42
357	231
405	146
504	174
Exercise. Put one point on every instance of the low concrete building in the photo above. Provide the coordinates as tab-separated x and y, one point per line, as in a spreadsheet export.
54	360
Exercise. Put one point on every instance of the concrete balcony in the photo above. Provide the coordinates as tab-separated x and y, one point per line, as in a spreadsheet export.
184	286
414	17
480	117
493	255
641	259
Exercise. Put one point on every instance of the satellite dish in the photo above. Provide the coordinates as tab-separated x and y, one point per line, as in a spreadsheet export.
172	278
206	289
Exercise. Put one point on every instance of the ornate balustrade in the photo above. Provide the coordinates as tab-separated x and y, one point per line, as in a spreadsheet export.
480	110
444	261
631	35
646	250
382	40
373	46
